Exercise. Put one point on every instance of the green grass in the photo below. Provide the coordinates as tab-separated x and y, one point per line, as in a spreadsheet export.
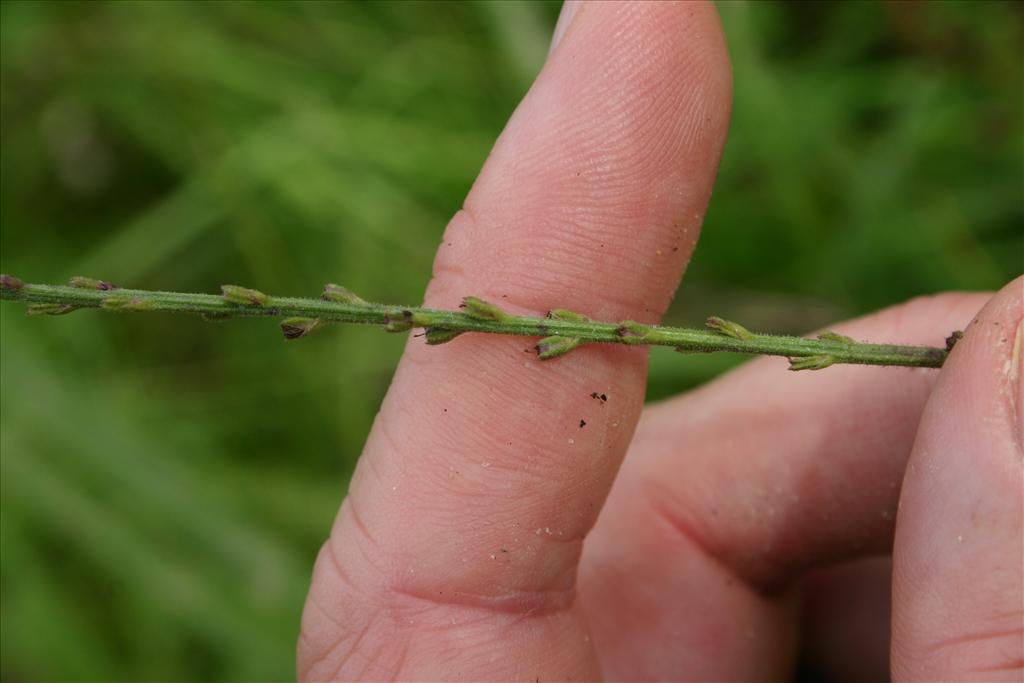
164	525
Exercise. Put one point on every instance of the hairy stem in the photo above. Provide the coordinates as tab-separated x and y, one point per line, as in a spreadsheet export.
561	331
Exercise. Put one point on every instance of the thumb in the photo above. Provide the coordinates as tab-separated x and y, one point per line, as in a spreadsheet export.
958	585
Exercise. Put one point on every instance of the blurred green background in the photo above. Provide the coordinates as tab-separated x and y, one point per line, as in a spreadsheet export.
166	482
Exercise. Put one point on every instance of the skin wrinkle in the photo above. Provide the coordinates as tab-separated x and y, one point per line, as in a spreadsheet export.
353	649
783	539
539	602
1012	665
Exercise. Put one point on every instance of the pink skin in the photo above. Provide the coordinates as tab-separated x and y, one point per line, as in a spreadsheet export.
459	554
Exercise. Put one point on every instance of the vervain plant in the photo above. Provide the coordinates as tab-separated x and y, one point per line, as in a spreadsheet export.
560	332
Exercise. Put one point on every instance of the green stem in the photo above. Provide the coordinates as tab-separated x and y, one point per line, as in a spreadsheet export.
561	331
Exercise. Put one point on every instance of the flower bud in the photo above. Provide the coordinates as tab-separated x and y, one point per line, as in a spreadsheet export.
633	332
555	346
10	283
341	295
811	362
728	328
293	328
49	309
483	310
399	320
244	296
439	335
829	335
568	316
126	304
89	283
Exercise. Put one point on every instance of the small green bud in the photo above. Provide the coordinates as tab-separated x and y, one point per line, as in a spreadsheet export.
811	362
127	304
88	283
341	295
49	309
10	283
728	328
568	316
483	310
439	335
398	321
829	335
293	328
633	332
555	346
244	296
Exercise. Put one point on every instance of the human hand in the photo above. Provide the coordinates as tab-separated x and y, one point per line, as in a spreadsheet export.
459	552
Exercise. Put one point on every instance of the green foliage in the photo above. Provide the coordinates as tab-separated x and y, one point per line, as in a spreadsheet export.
166	482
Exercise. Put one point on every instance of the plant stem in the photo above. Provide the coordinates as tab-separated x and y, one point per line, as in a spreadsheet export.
562	331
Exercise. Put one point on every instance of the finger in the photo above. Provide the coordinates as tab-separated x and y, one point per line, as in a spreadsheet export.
730	493
958	593
454	555
845	621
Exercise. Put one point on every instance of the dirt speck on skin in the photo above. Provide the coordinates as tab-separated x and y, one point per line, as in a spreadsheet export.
583	423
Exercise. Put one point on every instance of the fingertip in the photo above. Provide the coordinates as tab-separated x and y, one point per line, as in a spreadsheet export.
959	552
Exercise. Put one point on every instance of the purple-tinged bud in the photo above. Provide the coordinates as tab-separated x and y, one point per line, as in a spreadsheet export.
89	283
10	283
294	328
633	332
555	346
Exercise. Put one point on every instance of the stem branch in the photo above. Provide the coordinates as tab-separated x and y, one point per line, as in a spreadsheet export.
561	331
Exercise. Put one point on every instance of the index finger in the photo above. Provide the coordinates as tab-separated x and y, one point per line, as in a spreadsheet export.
455	553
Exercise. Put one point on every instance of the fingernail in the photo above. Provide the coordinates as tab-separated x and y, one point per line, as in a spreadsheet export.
565	17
